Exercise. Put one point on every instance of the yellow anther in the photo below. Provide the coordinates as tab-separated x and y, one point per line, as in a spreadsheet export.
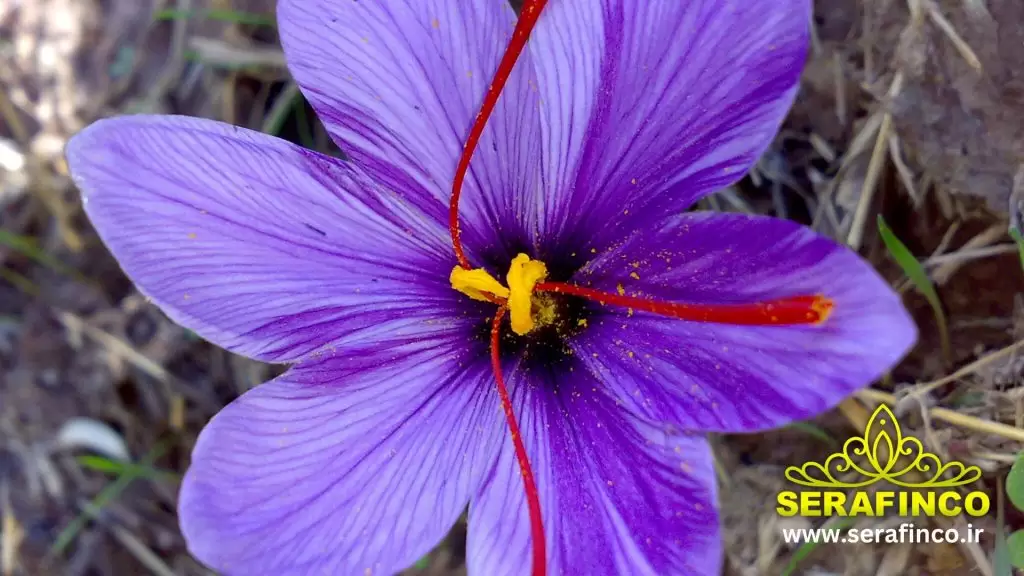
476	283
523	275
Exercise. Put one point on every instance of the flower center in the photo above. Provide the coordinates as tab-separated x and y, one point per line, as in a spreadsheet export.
526	311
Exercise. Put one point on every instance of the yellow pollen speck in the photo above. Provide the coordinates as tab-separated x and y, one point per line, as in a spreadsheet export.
593	250
620	289
629	312
634	275
630	354
435	23
191	235
582	322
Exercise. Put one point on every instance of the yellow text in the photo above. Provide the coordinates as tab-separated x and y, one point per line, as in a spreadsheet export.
829	503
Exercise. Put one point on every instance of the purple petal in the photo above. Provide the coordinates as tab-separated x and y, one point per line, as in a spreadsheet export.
359	463
264	248
729	378
617	497
398	85
648	106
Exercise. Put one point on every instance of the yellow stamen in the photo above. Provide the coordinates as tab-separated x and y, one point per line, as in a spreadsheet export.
475	283
523	275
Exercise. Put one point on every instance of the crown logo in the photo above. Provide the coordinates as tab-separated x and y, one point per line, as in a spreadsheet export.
883	453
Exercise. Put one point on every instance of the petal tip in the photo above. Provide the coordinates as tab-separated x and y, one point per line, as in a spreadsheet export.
87	147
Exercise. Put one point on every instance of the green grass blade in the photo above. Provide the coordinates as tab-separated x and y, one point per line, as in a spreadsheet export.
806	548
196	56
913	269
1015	234
813	431
19	281
28	247
117	468
302	121
287	100
232	16
106	496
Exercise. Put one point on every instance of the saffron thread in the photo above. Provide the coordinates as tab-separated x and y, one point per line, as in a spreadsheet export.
529	484
781	312
524	26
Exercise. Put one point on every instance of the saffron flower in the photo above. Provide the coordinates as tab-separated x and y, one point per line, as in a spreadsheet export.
563	283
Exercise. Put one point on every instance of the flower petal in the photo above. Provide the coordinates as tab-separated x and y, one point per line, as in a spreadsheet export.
648	106
398	85
730	378
617	496
359	463
262	247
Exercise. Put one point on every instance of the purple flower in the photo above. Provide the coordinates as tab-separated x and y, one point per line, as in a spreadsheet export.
619	116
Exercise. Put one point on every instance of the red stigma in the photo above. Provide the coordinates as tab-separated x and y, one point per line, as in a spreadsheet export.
781	312
527	19
532	496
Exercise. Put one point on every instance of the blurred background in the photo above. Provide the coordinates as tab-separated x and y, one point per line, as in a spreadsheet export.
912	110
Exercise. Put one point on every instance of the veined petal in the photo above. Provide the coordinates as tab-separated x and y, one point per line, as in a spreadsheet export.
260	246
356	464
617	496
398	84
703	376
648	106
